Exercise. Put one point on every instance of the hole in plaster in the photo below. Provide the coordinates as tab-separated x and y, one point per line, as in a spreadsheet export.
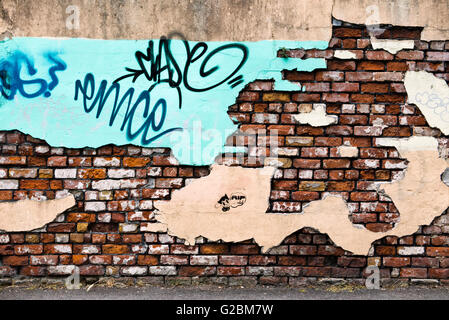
445	177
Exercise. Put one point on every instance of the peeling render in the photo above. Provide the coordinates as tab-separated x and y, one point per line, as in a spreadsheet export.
193	211
169	116
205	208
26	215
420	197
205	21
429	14
344	54
317	117
348	152
431	95
392	46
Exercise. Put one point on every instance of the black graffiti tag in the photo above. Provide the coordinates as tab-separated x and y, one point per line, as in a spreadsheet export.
162	67
236	199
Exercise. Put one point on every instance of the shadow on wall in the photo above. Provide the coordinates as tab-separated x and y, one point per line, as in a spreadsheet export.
445	177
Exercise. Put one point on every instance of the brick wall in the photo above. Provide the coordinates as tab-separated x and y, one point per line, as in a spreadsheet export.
106	233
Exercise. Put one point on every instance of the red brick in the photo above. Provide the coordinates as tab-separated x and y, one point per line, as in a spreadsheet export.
359	76
80	161
385	250
437	251
15	260
35	184
424	262
262	260
345	87
92	270
371	66
413	273
316	86
135	162
303	250
92	173
341	65
285	184
188	271
340	186
397	66
61	227
276	96
343	32
336	163
147	260
396	261
228	271
437	56
80	217
328	141
57	161
305	196
115	249
307	163
336	97
282	129
330	251
233	260
248	96
12	160
294	75
214	249
378	55
292	260
339	130
410	55
329	75
27	249
35	161
306	97
375	87
353	119
32	271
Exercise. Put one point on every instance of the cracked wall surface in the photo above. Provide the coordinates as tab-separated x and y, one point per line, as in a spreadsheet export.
204	20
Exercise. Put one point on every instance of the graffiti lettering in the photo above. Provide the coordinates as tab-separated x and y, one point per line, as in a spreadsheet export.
87	90
226	203
439	105
175	75
11	82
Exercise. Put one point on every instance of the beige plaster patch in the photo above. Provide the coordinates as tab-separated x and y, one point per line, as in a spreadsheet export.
26	215
197	20
433	15
348	152
193	211
317	117
431	95
419	197
215	20
392	46
344	54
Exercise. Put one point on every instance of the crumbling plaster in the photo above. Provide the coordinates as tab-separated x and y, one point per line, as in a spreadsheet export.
26	215
216	20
